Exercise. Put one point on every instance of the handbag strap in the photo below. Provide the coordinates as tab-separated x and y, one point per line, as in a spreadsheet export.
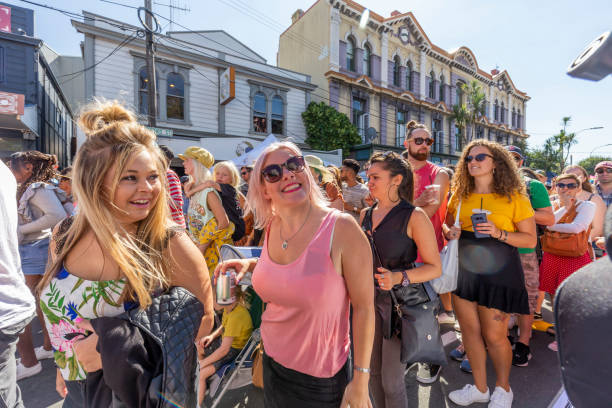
457	215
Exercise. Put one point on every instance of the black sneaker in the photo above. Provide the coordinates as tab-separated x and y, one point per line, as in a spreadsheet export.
521	355
428	373
512	342
537	316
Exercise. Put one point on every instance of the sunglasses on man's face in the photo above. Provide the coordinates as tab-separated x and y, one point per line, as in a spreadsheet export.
274	172
569	186
480	157
420	140
601	170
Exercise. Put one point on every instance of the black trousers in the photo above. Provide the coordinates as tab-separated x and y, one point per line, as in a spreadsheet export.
284	387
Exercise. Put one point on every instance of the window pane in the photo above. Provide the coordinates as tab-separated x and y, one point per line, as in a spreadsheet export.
144	79
260	124
259	104
175	107
176	85
277	126
366	60
277	106
350	55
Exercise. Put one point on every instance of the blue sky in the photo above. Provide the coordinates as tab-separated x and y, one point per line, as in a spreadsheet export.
534	40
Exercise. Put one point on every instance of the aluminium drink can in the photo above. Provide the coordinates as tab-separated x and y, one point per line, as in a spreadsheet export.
226	288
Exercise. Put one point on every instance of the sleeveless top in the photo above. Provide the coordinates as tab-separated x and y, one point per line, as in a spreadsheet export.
305	326
395	248
198	213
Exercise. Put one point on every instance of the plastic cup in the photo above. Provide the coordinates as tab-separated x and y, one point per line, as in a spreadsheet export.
435	192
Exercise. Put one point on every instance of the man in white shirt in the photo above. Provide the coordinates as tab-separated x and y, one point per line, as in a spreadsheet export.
353	192
16	302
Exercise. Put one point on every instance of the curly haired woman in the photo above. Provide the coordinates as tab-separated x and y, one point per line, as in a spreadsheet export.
490	283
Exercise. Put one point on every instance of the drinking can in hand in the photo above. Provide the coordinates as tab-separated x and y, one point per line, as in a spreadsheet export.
226	288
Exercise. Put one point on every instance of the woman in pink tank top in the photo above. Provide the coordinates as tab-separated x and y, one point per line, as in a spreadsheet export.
315	264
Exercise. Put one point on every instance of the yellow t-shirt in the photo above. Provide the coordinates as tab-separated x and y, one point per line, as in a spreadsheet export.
503	213
237	324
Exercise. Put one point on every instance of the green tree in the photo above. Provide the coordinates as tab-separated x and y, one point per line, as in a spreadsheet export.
328	129
590	162
476	103
460	116
545	158
564	141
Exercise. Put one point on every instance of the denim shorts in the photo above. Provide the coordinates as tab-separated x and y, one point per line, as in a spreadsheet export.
34	257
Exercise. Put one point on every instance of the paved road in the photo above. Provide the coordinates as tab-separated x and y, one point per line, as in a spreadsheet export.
534	386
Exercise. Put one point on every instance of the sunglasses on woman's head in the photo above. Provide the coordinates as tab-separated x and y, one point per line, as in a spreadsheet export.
601	170
274	172
479	157
420	140
569	186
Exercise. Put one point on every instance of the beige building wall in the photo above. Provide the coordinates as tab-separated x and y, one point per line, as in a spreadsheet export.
305	47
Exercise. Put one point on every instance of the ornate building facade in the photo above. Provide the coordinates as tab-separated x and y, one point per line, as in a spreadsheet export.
389	72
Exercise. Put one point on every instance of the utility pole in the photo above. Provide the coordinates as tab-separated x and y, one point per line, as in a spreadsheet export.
152	84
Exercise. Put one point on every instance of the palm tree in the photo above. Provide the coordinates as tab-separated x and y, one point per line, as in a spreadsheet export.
460	116
476	104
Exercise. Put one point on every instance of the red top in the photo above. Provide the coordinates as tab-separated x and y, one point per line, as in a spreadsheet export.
306	323
424	177
176	195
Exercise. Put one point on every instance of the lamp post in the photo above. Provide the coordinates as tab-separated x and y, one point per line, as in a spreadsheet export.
582	130
599	147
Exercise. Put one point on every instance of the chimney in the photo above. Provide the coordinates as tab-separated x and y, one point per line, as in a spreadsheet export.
296	16
395	13
494	71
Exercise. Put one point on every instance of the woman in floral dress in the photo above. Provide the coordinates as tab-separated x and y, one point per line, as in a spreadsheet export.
207	222
118	250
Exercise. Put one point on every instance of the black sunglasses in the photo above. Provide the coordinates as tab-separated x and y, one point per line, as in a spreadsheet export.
601	170
420	140
479	157
274	172
569	186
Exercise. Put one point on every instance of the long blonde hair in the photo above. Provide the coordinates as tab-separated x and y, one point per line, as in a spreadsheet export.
113	136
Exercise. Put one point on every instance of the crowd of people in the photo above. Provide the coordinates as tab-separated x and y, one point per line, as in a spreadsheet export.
339	256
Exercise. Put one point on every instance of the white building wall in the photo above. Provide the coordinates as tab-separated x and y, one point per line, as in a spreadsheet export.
238	111
204	100
296	104
114	78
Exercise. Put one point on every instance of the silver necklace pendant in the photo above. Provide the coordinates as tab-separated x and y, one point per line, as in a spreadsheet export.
285	244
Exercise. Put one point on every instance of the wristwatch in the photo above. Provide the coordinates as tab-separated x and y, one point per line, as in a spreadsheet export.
405	280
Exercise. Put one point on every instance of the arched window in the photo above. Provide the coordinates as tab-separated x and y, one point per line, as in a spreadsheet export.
260	121
175	96
278	117
459	87
441	94
519	119
513	117
350	54
496	111
367	56
409	76
502	113
432	88
396	70
143	92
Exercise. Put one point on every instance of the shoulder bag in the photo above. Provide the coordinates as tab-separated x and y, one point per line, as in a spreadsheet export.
449	256
565	243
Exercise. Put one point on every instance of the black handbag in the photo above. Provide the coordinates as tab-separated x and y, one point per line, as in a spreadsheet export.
416	324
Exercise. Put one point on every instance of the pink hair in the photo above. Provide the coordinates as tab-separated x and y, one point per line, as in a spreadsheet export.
263	207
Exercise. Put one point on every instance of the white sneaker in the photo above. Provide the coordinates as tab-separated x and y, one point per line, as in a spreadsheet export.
42	354
457	327
501	398
25	372
446	318
468	395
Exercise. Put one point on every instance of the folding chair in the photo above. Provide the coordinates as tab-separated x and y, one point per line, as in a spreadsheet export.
238	373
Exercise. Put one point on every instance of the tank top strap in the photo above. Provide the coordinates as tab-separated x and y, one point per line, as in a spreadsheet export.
326	230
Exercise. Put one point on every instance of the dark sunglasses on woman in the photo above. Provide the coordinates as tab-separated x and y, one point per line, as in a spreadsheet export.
274	172
420	140
480	157
601	170
569	186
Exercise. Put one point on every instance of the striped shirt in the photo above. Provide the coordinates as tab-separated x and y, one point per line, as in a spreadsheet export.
176	195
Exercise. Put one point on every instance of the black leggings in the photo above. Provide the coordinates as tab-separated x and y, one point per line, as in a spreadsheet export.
284	387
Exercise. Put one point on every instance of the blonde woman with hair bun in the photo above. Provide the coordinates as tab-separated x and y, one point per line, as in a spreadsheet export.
118	249
207	222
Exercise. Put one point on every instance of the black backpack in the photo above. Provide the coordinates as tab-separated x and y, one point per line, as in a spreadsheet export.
231	205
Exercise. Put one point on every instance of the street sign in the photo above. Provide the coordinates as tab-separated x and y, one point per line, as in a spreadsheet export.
161	132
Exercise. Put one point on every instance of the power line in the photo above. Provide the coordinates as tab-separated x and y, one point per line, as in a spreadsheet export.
122	44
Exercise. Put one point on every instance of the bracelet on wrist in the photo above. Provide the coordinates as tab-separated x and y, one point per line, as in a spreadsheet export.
361	369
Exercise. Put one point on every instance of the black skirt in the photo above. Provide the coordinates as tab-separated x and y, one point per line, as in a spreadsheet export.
286	388
491	274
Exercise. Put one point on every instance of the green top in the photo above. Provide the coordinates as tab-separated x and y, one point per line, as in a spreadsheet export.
538	195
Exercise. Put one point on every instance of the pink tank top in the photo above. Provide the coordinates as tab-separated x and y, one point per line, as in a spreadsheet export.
306	323
425	176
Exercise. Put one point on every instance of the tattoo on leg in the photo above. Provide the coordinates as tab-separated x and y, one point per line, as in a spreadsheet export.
498	317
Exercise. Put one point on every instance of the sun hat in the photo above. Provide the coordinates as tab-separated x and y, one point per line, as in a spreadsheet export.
317	164
200	154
